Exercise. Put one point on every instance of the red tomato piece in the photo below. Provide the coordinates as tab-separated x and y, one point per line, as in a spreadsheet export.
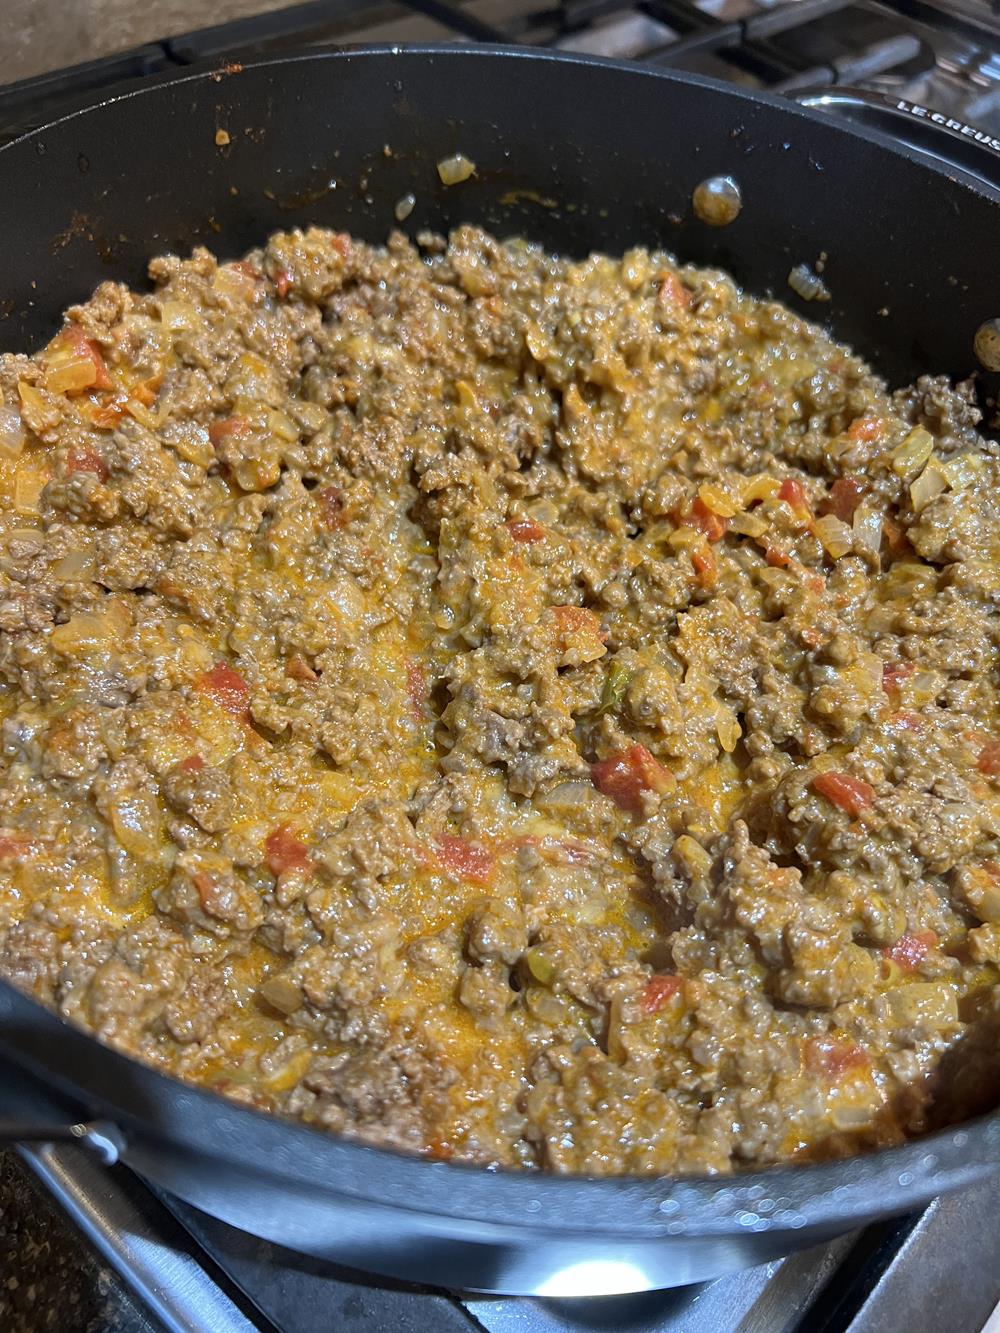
895	537
87	460
284	851
658	991
989	759
832	1057
222	430
894	673
83	346
572	622
906	721
705	566
909	951
525	530
466	860
775	558
866	429
706	520
228	688
282	282
673	292
851	794
13	845
192	764
332	508
845	495
794	494
628	775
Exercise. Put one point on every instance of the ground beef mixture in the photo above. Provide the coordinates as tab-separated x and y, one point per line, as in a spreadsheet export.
516	710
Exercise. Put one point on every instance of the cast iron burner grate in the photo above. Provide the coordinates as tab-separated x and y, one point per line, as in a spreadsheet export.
942	53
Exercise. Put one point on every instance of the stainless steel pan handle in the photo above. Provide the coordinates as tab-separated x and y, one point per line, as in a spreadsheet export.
972	151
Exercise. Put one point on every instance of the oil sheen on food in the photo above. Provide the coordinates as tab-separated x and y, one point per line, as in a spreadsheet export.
515	710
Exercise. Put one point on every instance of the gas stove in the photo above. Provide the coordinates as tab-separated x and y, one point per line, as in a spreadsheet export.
172	1269
936	1269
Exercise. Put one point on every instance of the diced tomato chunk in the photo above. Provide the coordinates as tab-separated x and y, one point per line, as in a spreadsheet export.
775	558
845	495
866	429
204	887
192	764
833	1057
332	508
246	268
852	795
907	721
466	860
894	673
75	338
628	775
989	759
13	845
285	852
909	951
282	282
577	629
228	688
673	292
87	460
416	690
895	537
706	566
706	520
658	991
525	530
574	619
794	494
341	242
222	430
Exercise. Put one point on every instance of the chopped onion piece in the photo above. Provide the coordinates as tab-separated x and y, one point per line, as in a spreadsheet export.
931	482
281	426
867	530
12	434
717	500
835	535
761	487
28	486
135	818
37	413
962	470
807	284
455	169
76	567
178	316
914	451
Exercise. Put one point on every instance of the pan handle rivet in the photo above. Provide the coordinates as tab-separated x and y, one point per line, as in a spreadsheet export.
987	344
717	201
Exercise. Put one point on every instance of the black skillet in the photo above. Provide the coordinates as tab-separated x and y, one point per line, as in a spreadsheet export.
576	154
